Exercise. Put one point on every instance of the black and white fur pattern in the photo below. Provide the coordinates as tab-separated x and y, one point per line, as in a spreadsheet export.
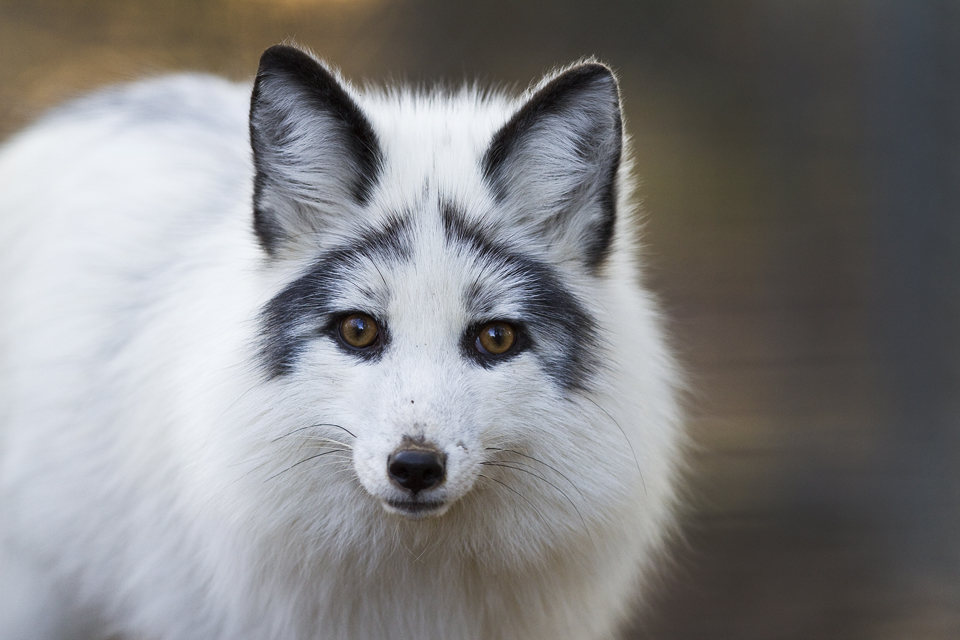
190	451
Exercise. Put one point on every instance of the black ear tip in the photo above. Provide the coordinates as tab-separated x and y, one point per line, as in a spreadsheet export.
596	69
283	56
279	52
590	74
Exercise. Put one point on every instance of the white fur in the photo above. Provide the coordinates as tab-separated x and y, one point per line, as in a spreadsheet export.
146	484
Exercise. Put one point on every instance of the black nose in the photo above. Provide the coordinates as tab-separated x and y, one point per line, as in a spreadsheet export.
416	469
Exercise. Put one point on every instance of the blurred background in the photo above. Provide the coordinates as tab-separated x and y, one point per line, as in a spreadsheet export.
800	167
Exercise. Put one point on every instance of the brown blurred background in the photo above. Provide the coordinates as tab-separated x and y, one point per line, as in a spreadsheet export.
801	176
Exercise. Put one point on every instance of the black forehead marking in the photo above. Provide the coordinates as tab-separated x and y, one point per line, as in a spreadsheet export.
563	332
296	314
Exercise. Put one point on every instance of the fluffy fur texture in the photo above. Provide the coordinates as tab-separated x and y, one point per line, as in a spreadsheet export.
190	450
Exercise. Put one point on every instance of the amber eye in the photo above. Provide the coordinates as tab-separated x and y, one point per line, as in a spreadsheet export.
359	330
496	338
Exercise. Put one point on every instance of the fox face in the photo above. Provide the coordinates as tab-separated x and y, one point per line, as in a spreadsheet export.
440	313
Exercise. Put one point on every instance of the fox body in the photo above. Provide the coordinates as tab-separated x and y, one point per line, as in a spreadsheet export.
390	374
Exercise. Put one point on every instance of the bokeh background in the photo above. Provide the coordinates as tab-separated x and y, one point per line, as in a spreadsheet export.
800	166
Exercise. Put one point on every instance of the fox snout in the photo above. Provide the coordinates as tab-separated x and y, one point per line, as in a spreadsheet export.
416	476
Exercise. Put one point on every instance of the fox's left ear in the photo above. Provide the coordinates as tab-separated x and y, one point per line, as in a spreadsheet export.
554	165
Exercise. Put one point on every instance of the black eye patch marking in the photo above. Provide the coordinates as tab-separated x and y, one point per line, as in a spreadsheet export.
303	310
555	326
552	323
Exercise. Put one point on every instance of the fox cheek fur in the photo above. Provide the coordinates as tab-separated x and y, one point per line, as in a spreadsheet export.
392	375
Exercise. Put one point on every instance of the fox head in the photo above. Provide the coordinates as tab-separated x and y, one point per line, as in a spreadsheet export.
441	323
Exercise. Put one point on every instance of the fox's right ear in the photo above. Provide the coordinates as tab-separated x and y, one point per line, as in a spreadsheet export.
316	155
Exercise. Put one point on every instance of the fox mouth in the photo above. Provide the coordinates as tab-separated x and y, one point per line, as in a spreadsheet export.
416	509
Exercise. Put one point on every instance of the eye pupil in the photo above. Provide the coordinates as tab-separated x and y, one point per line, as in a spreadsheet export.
496	338
359	330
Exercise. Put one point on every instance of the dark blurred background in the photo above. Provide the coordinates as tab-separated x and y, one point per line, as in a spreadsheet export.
800	166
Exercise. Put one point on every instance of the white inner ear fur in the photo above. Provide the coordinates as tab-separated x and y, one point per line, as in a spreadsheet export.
557	174
305	154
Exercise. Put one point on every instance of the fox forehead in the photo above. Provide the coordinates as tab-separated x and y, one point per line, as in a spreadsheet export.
434	138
